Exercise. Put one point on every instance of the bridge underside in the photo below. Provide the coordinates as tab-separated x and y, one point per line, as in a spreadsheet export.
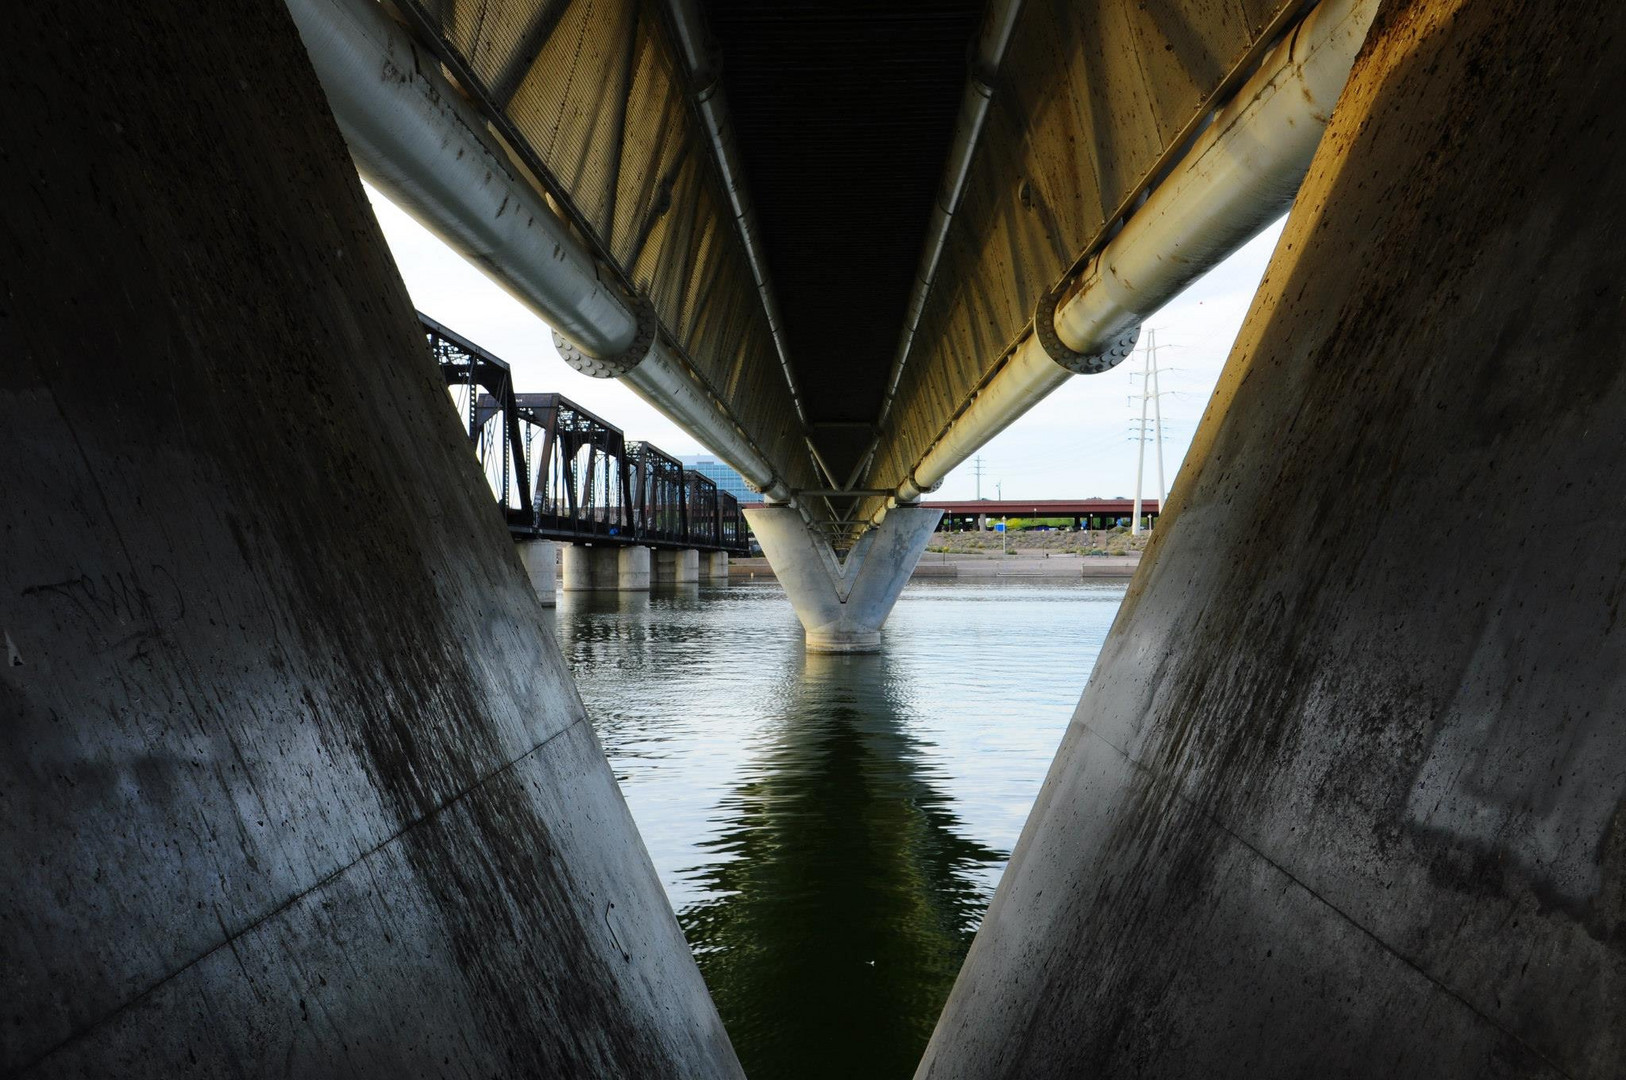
842	221
287	783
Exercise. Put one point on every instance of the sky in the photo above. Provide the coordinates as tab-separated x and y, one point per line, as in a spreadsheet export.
1077	443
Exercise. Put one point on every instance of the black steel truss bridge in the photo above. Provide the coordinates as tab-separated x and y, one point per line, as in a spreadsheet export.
559	472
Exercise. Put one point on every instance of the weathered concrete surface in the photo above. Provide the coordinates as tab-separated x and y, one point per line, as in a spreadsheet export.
584	569
541	561
604	568
632	569
291	778
713	567
679	566
842	605
1349	804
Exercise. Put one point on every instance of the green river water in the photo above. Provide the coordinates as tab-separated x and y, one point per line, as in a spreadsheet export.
830	829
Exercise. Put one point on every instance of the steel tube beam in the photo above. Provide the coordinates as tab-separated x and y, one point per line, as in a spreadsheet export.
664	380
414	137
1239	175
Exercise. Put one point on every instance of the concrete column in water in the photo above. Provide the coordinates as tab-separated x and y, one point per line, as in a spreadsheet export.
680	566
714	567
605	568
584	568
632	569
1346	796
843	603
541	561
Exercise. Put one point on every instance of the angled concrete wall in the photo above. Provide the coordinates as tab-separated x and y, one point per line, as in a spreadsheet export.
1344	796
291	778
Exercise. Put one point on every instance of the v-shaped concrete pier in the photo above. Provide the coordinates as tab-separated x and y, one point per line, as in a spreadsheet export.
843	601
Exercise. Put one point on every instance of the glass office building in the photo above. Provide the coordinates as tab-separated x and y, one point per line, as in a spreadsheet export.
727	479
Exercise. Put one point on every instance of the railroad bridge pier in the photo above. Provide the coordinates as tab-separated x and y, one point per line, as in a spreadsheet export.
541	561
588	567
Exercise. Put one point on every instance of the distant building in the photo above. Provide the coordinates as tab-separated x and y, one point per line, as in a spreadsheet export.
727	479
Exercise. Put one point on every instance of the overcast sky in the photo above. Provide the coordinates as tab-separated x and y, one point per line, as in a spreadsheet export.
1076	443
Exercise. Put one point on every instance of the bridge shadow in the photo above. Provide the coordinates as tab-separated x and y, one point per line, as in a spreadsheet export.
846	893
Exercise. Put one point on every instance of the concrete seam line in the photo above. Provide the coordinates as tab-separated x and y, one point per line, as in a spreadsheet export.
233	936
1330	906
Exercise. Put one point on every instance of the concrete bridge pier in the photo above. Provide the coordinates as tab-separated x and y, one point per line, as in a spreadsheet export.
541	561
293	777
679	566
602	568
714	567
1346	796
843	603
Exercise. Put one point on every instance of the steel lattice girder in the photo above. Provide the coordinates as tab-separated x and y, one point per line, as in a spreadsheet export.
564	473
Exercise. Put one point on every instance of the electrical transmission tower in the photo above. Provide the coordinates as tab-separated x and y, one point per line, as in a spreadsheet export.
1150	394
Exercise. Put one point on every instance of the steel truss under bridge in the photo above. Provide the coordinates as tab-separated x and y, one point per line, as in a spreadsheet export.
559	472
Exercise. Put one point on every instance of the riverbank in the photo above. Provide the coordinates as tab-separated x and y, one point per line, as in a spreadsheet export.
1088	542
976	566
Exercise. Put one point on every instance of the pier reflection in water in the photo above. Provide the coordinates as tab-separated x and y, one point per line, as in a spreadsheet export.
830	829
